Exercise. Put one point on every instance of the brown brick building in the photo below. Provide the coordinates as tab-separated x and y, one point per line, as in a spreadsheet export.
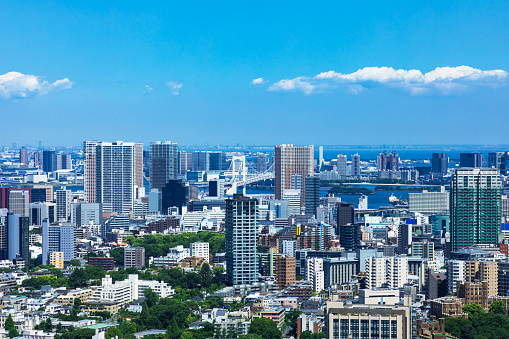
285	271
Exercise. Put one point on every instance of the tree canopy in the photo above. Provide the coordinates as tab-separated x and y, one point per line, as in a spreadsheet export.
265	328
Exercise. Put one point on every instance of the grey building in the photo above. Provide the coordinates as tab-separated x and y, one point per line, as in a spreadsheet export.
312	194
473	160
338	271
241	231
439	163
163	163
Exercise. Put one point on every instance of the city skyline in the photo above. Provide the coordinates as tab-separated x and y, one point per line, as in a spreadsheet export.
229	74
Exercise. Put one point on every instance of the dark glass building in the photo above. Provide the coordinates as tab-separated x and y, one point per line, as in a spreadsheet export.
439	163
350	236
473	160
49	161
312	194
175	194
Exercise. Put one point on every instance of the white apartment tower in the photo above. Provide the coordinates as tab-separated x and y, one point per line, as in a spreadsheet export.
315	273
63	204
341	166
455	273
200	250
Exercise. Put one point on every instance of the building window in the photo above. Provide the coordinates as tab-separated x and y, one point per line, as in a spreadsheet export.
394	329
344	331
335	329
375	328
385	329
364	329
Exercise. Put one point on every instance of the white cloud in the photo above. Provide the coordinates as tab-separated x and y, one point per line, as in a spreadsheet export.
297	84
258	81
175	87
147	89
15	85
442	80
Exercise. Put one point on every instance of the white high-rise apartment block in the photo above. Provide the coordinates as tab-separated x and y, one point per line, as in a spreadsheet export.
341	166
19	202
363	203
356	165
455	273
119	173
376	272
315	274
397	271
289	247
63	204
200	250
294	201
429	202
89	169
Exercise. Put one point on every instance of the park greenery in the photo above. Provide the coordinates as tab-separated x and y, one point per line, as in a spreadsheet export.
480	324
158	245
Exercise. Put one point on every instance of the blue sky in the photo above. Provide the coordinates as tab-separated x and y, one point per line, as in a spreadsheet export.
183	71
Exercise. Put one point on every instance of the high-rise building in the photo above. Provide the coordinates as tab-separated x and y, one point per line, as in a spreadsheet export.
471	160
241	231
297	182
119	174
19	202
388	161
217	161
64	161
163	163
500	161
49	161
290	160
439	163
42	210
350	236
134	257
23	158
285	271
356	165
389	271
294	201
455	273
261	163
185	162
174	194
475	207
479	271
89	169
404	238
344	214
320	157
315	273
83	214
200	161
429	202
363	203
312	194
63	204
17	237
216	188
58	238
341	166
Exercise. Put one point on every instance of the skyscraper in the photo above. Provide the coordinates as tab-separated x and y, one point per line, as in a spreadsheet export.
344	215
174	194
23	157
64	161
163	163
185	162
388	161
439	163
17	235
19	202
49	161
261	163
241	231
473	160
290	160
58	238
475	207
119	172
356	165
350	236
217	161
63	204
312	194
341	166
200	161
500	161
89	169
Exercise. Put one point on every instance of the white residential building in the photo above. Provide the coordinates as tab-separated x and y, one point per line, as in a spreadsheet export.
455	273
174	256
397	271
315	273
200	249
376	273
289	247
63	204
341	166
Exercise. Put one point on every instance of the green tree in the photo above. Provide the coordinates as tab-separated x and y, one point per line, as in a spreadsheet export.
265	328
187	335
75	262
306	335
113	332
151	297
10	327
473	309
250	336
497	307
78	279
291	320
59	327
77	302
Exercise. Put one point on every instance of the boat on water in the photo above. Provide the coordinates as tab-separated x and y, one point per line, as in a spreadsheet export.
395	201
